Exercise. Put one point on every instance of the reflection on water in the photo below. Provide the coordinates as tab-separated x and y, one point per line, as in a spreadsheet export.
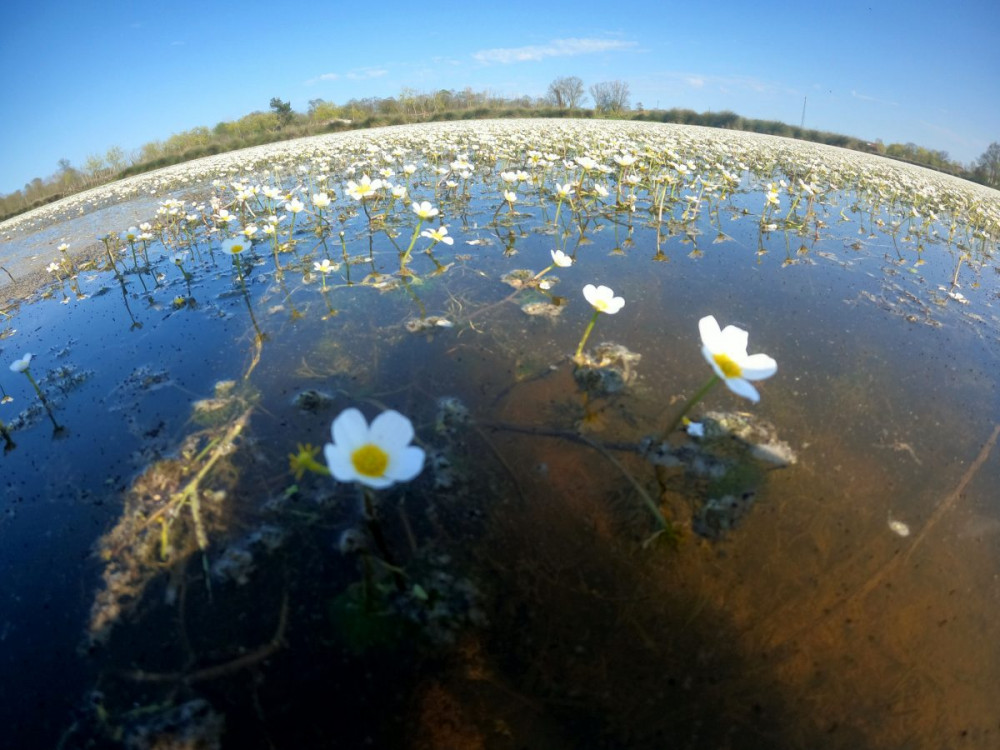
562	573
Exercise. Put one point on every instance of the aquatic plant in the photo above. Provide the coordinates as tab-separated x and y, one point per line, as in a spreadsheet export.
423	210
323	268
376	455
725	350
23	365
559	259
603	300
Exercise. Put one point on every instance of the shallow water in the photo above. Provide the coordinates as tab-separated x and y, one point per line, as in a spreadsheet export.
528	599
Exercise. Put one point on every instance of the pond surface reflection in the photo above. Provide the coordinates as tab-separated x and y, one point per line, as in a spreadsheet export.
817	569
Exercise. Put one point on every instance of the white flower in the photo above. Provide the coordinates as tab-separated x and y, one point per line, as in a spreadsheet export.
21	364
377	455
63	247
364	189
726	351
235	245
561	259
510	196
320	200
603	299
325	267
438	235
52	267
424	210
399	191
564	191
294	205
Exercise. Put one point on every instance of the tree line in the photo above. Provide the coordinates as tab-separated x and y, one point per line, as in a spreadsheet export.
565	97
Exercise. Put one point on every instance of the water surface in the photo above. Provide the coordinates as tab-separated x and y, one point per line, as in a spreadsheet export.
525	594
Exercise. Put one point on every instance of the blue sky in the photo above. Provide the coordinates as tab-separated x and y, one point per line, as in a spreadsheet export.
81	77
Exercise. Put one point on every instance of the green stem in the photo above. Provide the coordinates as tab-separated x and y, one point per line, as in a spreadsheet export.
691	403
375	529
543	272
41	397
586	334
413	241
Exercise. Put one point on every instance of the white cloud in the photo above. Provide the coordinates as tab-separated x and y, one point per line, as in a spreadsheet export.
725	84
555	48
358	74
866	98
361	74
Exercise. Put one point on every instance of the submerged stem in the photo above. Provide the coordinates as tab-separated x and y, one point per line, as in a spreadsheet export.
710	383
586	334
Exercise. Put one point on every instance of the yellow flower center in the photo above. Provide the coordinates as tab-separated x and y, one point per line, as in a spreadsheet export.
729	368
370	460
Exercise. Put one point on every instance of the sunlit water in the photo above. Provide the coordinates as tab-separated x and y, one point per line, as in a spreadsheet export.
845	596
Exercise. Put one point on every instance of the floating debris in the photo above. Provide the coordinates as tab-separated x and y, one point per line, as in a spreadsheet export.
421	325
898	527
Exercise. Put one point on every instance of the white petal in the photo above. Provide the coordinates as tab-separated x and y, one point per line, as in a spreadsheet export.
391	430
710	332
350	430
378	483
734	341
758	367
404	465
338	461
742	388
590	294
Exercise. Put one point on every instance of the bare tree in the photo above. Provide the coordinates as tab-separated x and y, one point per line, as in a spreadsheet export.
610	96
987	166
566	92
